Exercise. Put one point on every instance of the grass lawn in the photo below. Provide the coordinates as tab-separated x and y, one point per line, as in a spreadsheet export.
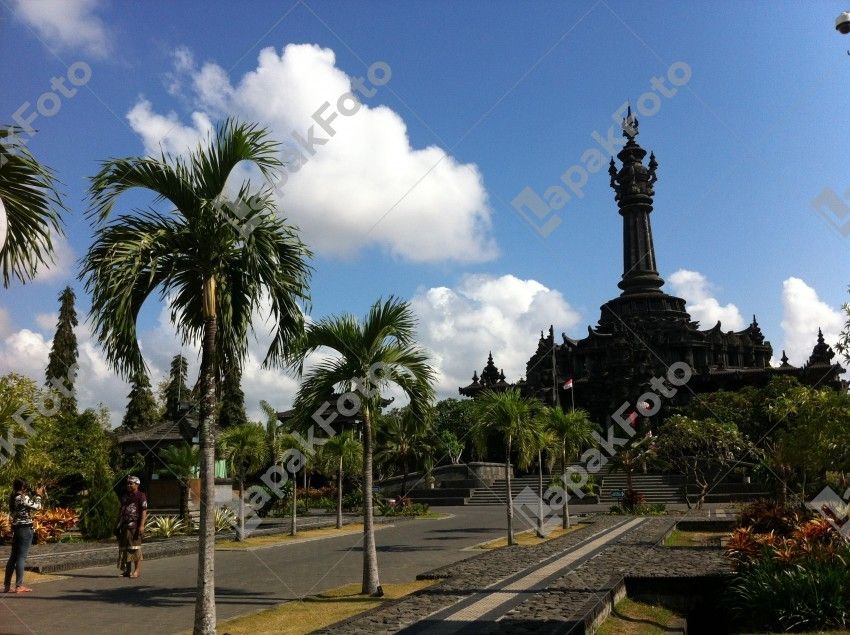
316	611
636	618
528	537
283	539
694	538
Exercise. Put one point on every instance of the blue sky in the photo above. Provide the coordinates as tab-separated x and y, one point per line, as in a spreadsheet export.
511	94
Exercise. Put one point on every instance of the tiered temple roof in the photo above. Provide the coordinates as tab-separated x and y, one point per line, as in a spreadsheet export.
641	332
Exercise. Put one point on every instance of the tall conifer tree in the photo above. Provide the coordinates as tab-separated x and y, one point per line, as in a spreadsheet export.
232	411
64	353
177	390
141	408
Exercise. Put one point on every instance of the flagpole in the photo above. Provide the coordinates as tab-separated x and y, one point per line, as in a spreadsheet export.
556	398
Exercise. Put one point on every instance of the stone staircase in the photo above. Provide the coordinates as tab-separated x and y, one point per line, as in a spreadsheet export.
656	488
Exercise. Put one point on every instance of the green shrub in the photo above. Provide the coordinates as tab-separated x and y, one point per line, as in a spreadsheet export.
100	507
353	501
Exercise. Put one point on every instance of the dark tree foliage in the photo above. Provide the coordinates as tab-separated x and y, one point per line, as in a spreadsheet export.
455	416
141	408
232	412
177	389
100	507
80	449
64	353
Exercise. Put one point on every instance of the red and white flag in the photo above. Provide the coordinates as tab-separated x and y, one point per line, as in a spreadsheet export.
568	385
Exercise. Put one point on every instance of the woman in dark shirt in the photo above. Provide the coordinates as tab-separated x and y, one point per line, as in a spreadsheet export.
21	506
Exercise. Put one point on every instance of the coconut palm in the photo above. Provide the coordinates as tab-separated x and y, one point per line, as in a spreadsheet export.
512	416
245	450
543	441
29	210
292	452
341	453
182	462
368	357
212	272
573	431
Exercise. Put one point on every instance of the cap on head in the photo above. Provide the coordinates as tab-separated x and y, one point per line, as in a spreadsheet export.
134	479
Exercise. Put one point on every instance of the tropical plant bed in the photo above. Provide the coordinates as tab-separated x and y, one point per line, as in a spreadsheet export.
317	611
791	571
528	537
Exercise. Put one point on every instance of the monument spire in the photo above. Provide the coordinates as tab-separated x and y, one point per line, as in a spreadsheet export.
633	192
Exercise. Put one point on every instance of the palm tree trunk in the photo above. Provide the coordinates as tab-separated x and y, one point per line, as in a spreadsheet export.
184	502
370	554
205	618
241	507
293	529
404	478
339	495
540	494
565	516
510	501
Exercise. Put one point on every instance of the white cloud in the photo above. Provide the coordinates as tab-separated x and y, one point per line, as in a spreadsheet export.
67	24
484	313
63	265
165	132
697	292
802	314
365	187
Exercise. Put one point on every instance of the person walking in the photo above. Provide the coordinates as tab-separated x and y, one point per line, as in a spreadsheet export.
131	528
21	507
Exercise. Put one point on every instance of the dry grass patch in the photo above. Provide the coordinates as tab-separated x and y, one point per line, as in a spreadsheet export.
528	537
32	577
316	611
285	539
695	538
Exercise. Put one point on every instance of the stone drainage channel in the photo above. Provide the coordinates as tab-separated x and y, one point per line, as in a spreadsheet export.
566	585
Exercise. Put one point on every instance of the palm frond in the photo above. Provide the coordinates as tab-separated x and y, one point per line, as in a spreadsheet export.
32	202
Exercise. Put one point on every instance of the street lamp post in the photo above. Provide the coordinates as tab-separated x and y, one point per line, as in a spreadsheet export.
842	23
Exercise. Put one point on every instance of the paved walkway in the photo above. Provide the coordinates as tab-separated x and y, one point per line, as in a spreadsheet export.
553	587
94	600
495	601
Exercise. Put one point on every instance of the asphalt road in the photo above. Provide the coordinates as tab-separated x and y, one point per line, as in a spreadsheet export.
96	600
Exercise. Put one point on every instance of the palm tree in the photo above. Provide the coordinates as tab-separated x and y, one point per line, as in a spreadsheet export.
341	453
245	450
508	414
290	443
182	462
543	440
213	274
29	210
574	431
369	356
403	438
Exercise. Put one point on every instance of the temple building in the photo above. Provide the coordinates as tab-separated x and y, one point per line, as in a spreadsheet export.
643	331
